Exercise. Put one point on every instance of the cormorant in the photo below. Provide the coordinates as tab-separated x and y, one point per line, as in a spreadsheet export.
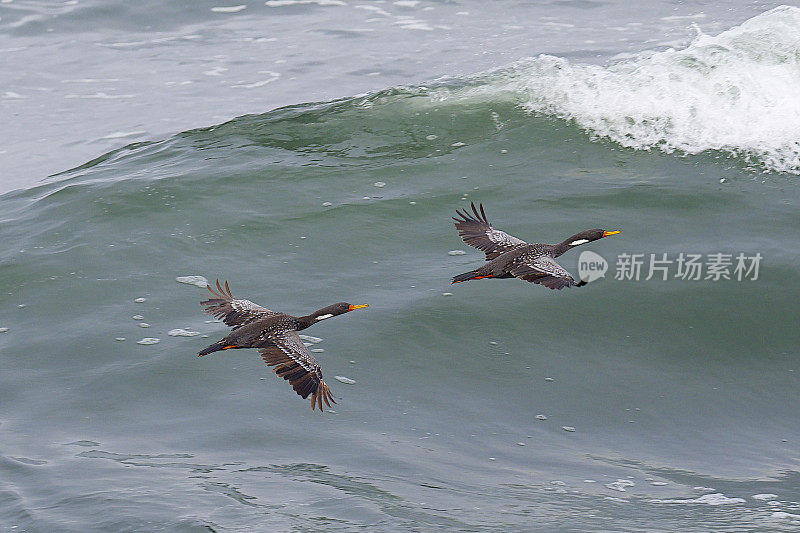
275	336
509	256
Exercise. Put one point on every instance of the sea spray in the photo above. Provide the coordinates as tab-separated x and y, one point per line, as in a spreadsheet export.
735	93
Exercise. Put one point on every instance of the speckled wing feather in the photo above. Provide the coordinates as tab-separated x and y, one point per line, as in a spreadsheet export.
475	230
232	311
294	363
542	270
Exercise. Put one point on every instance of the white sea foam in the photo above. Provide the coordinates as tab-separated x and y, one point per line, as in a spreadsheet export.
345	380
199	281
101	96
781	515
736	92
228	9
273	76
123	134
148	340
374	9
620	485
309	338
179	332
413	24
708	499
215	71
764	497
281	3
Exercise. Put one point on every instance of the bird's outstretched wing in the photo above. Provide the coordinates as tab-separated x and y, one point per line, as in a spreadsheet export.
475	230
542	270
233	312
294	363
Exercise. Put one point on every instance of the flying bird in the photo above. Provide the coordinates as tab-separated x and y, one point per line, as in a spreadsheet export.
275	336
508	256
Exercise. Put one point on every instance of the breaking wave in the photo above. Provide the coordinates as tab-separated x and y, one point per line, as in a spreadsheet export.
736	92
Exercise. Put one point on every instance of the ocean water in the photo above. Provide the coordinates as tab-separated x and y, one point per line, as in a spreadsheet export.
312	152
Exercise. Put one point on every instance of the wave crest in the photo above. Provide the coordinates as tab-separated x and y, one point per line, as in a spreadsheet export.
736	92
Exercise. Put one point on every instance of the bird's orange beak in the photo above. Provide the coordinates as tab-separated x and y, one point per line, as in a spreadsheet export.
607	233
352	307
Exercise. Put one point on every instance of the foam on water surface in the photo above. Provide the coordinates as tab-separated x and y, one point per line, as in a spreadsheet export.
179	332
782	515
228	9
198	281
707	499
282	3
764	497
735	92
620	485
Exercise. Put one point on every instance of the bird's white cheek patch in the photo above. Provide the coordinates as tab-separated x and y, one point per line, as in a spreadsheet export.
323	317
579	241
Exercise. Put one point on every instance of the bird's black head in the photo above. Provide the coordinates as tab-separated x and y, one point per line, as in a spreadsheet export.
335	310
588	235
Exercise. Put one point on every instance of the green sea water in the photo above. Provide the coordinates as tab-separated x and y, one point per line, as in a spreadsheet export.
679	397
